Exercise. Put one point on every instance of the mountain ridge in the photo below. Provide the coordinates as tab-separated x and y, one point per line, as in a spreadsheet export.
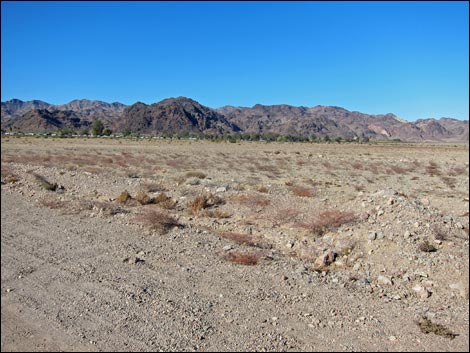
185	115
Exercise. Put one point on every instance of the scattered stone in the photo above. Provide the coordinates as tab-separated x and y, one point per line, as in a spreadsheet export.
407	235
381	212
380	235
384	280
324	260
221	189
425	202
421	292
372	235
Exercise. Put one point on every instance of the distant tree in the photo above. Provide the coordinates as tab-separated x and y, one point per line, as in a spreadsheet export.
66	131
85	131
97	128
107	132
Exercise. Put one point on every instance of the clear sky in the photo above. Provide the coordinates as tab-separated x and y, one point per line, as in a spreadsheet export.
407	58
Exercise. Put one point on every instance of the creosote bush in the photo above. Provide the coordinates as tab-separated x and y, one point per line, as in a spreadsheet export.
157	221
328	220
242	257
201	202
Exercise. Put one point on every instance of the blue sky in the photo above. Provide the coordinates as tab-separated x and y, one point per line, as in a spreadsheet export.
407	58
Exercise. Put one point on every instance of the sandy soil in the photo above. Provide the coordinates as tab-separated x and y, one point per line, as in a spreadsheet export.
82	271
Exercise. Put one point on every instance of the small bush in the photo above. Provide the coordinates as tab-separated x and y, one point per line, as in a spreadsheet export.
426	247
252	200
328	220
244	239
216	214
157	221
165	201
10	179
153	187
143	198
196	174
302	191
124	197
202	202
242	257
427	326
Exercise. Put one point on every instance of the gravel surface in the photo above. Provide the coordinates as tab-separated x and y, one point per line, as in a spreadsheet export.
81	273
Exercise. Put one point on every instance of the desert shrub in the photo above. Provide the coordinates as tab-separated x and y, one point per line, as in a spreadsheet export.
124	197
426	247
10	179
252	200
143	198
302	191
439	233
153	187
165	201
357	165
216	214
427	326
157	221
432	169
45	183
263	189
242	257
328	220
195	174
202	202
449	181
245	239
107	208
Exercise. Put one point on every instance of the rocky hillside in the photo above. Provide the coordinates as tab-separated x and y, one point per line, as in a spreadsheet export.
86	110
174	115
184	115
43	120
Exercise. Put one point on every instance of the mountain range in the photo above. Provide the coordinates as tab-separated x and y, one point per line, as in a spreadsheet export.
184	115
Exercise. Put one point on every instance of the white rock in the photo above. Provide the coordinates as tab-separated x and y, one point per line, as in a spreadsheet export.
384	280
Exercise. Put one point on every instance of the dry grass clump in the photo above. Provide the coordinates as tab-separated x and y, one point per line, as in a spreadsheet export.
242	257
153	187
10	179
157	221
328	220
202	202
449	181
439	234
53	203
143	198
432	169
263	189
302	191
245	239
252	200
427	326
165	201
124	197
195	174
216	214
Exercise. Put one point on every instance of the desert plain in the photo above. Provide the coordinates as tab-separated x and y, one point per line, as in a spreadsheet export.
181	245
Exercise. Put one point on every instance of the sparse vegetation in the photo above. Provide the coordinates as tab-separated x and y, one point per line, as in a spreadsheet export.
328	220
427	326
157	221
242	257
